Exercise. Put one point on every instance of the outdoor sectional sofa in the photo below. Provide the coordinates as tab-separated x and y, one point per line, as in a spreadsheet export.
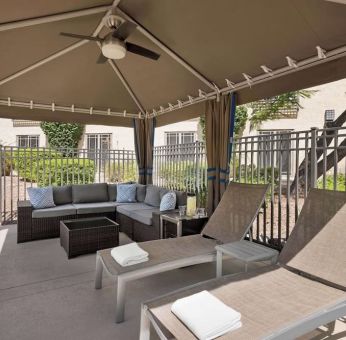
139	220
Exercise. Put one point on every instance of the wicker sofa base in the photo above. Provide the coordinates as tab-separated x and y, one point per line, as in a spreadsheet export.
137	231
31	229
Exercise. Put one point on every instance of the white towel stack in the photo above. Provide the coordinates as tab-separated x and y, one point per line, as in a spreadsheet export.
129	254
206	316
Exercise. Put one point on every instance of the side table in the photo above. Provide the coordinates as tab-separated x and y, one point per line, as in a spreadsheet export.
245	251
181	223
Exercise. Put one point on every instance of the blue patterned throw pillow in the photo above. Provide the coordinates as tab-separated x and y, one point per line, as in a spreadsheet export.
168	201
41	198
126	193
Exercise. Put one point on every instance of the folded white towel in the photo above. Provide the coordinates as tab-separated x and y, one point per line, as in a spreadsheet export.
206	316
129	254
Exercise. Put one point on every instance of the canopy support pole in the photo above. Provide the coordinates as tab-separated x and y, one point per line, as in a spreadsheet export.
125	83
166	49
52	18
59	53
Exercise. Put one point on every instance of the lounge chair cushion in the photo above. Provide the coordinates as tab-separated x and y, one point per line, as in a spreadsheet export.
90	193
141	192
62	194
60	210
163	251
236	212
268	299
152	196
128	208
94	208
144	216
316	245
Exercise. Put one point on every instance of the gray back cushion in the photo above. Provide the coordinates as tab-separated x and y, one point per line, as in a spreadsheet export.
112	192
141	192
181	198
163	192
62	195
90	193
152	196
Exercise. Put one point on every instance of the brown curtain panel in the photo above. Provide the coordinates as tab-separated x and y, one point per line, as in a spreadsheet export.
220	116
144	131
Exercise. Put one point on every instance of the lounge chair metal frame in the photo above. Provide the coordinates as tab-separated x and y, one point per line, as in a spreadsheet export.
122	278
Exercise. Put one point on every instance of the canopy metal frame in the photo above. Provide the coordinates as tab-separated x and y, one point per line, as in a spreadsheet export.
249	81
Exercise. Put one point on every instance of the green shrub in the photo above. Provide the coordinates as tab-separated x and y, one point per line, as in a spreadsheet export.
340	182
183	176
60	172
117	172
27	158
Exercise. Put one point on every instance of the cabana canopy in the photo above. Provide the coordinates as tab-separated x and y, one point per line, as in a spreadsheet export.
256	48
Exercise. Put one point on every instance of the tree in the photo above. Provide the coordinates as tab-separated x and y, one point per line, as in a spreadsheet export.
63	136
262	111
271	108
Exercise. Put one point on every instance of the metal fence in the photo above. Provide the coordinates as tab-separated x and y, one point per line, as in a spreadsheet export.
182	167
30	167
292	162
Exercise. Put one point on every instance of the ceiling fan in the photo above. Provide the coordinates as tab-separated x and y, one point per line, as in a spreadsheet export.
115	45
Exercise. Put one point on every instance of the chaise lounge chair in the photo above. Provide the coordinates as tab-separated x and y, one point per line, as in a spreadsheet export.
231	221
306	289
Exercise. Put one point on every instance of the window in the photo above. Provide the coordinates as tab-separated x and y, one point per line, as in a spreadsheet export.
329	115
172	138
266	144
98	145
28	141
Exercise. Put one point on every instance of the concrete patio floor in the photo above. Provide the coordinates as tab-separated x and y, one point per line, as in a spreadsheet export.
43	295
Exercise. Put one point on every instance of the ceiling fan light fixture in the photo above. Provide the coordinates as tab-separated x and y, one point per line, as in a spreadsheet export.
114	49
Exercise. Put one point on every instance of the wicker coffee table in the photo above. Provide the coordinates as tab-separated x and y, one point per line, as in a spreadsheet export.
88	235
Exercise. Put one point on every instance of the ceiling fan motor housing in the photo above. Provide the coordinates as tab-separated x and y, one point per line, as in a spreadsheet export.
113	48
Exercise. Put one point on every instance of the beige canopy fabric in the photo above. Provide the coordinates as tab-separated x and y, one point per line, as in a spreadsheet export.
205	44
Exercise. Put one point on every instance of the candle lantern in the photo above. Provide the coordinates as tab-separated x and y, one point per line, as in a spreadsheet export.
191	205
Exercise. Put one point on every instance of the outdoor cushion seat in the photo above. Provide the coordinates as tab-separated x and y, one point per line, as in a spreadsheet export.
98	207
128	209
144	216
60	210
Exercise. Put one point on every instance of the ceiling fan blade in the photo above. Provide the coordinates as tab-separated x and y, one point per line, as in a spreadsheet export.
101	59
79	36
136	49
124	30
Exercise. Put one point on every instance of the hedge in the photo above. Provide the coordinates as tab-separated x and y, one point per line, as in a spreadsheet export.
117	172
60	172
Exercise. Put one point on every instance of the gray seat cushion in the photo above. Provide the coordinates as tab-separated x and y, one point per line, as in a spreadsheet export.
93	208
62	195
60	210
144	216
129	208
90	193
